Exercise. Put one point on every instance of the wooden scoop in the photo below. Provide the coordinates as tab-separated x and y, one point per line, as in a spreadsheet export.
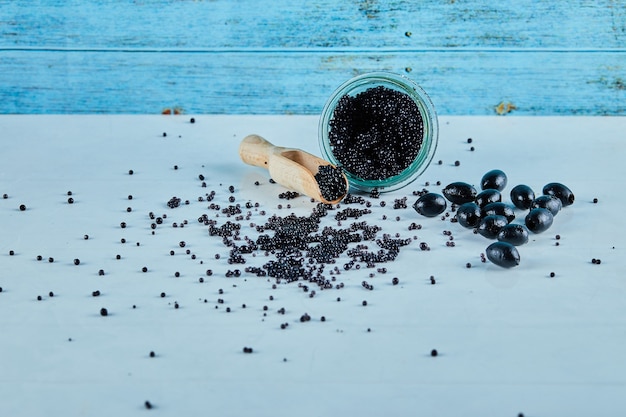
292	168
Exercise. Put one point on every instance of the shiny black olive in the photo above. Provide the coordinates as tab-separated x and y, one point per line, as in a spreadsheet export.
468	215
539	220
430	205
548	202
490	226
499	208
560	191
488	196
515	234
460	192
503	254
522	196
494	179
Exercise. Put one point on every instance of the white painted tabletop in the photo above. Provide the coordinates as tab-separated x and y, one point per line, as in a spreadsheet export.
509	341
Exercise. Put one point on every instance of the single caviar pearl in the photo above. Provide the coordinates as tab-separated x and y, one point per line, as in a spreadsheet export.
118	256
162	295
364	303
86	237
152	354
131	172
11	253
70	200
39	298
101	272
51	294
51	259
144	269
76	261
457	163
468	265
104	312
22	207
434	353
595	201
39	257
552	274
148	404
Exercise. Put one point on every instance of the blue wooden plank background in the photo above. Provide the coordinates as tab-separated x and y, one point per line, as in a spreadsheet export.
261	57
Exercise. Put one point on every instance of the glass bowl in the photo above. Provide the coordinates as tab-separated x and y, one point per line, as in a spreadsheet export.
410	170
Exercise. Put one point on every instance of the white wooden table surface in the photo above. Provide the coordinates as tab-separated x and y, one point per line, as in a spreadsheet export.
509	341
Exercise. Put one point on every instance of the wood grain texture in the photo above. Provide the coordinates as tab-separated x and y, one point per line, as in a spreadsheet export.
221	56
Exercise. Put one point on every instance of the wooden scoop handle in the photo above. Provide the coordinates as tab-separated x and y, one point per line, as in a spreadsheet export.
254	150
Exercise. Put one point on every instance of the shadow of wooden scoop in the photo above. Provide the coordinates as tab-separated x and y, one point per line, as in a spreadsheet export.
295	169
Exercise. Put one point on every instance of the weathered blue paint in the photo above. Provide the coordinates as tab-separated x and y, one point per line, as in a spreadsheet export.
221	56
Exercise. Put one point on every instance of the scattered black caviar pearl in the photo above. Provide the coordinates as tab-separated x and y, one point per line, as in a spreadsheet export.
118	257
364	303
70	200
152	354
468	265
11	253
434	353
0	289
395	281
50	259
552	274
129	209
5	196
123	225
130	197
148	404
39	257
131	172
457	163
22	207
76	261
144	269
247	349
432	280
176	305
595	201
95	293
104	312
51	294
86	237
101	272
39	298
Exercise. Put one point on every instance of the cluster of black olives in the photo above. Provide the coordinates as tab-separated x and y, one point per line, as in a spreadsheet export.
492	218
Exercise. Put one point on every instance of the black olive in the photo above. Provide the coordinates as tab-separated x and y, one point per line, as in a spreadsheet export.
560	191
539	220
522	196
460	192
430	205
488	196
503	254
494	179
515	234
490	226
468	215
499	208
548	202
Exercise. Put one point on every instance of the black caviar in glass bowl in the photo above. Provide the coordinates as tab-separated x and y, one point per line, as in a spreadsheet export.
381	128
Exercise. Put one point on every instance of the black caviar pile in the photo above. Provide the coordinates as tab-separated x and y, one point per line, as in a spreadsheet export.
376	134
331	181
